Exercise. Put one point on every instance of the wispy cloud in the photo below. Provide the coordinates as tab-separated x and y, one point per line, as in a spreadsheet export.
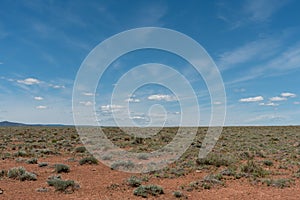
255	49
260	11
133	100
111	108
252	99
88	94
41	107
162	97
284	62
297	103
247	12
57	86
38	98
268	104
87	103
29	81
278	99
261	119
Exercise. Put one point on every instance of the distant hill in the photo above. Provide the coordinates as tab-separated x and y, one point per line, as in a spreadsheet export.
7	123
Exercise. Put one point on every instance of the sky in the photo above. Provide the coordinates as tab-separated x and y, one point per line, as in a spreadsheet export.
254	44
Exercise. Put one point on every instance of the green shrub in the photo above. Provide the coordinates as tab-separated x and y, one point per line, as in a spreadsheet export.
15	172
177	194
59	168
43	164
268	162
211	180
20	153
32	161
279	183
21	174
125	164
216	160
144	190
61	185
252	169
142	156
80	149
28	176
88	160
133	181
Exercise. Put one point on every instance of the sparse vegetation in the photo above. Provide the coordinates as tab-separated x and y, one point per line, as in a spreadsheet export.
178	194
145	190
216	160
32	161
21	174
262	155
59	168
88	160
80	149
66	186
279	183
122	164
133	181
253	170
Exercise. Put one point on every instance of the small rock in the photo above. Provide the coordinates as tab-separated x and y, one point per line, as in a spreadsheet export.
1	191
297	144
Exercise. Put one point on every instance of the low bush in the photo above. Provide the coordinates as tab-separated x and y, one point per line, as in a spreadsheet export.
254	170
32	161
122	164
216	160
80	149
66	186
59	168
145	190
133	181
21	174
279	183
88	160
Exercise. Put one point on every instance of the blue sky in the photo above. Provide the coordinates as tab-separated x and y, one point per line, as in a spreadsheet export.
255	45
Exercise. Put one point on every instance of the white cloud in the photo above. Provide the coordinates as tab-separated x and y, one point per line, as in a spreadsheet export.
269	104
57	86
133	100
160	97
138	117
38	98
297	103
217	103
41	107
86	103
29	81
252	99
278	99
288	94
88	94
110	108
1	63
